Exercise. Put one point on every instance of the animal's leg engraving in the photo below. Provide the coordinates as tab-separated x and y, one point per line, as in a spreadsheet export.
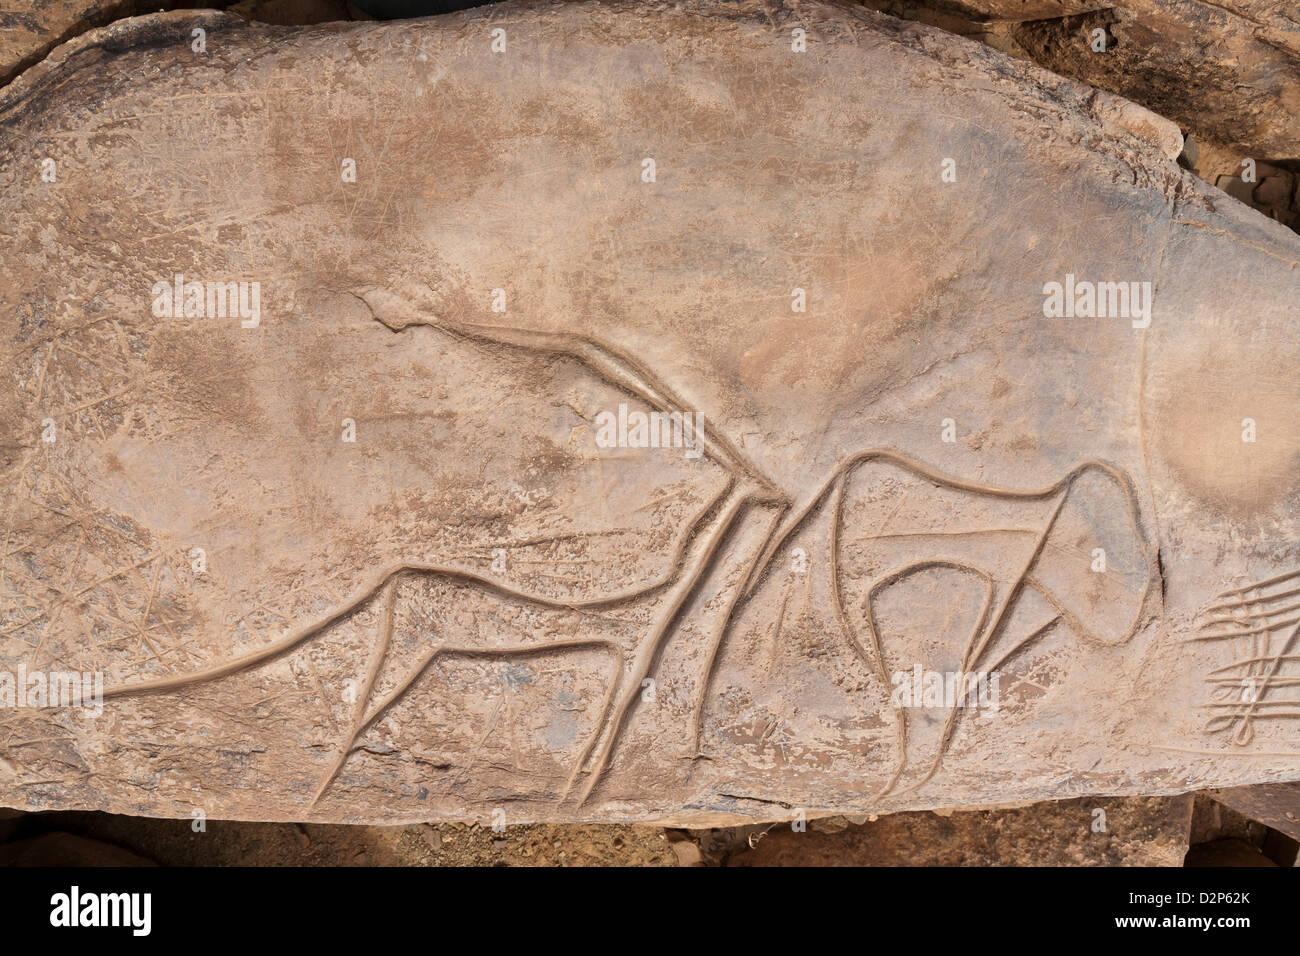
650	647
524	650
372	672
873	630
775	643
874	659
606	708
711	658
768	550
981	638
1023	642
973	653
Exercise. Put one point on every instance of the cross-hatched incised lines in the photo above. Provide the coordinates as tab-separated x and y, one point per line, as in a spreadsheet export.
1261	624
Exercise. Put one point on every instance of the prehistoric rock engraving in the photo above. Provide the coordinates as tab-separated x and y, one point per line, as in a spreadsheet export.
367	560
625	686
987	647
1261	625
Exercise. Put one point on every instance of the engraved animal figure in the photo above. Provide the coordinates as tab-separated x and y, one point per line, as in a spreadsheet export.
1030	564
695	551
706	536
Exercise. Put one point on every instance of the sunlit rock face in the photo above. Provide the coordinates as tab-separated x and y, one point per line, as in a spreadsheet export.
605	411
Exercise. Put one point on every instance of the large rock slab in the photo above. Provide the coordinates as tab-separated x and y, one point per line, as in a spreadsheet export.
386	544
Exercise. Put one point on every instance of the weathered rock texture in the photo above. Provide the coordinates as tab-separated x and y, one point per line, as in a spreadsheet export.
474	605
1228	69
1128	831
29	29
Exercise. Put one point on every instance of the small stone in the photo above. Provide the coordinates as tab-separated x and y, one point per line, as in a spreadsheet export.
688	853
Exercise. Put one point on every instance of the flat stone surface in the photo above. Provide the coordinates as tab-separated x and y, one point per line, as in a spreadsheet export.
363	553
